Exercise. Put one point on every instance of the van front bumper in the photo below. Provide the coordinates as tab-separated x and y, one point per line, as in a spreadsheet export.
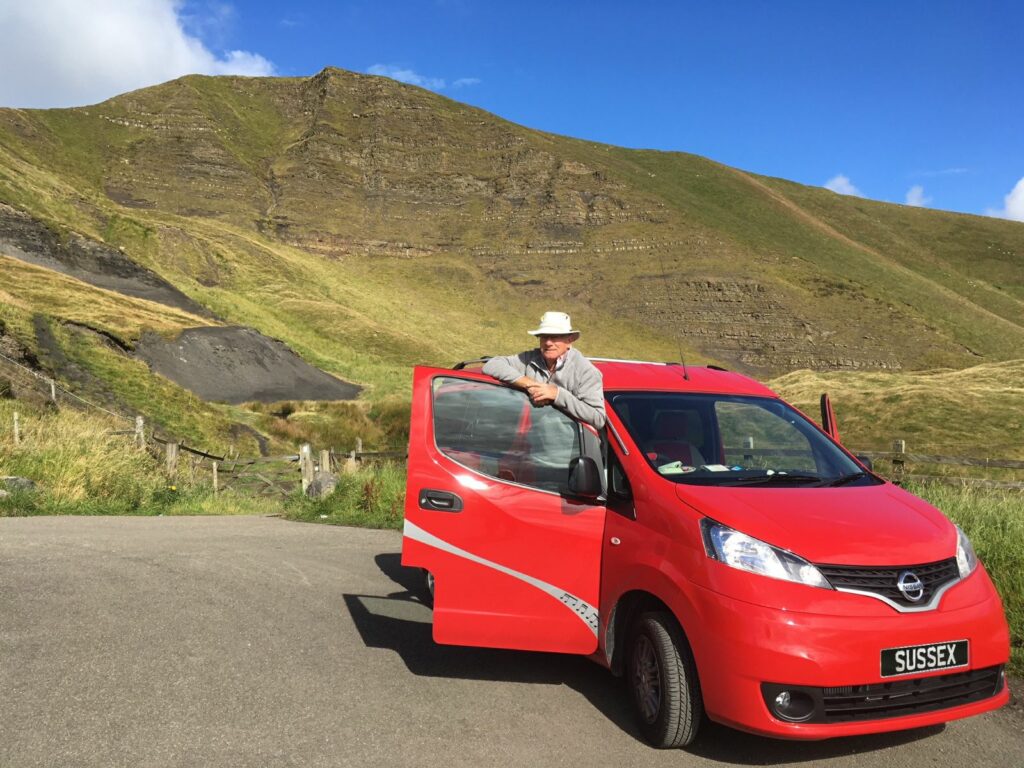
747	655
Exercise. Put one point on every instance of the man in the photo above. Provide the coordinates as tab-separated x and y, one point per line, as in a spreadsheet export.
555	373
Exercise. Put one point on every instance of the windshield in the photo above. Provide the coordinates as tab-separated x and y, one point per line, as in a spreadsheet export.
732	440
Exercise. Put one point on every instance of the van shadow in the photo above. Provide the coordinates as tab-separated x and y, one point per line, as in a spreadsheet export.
400	621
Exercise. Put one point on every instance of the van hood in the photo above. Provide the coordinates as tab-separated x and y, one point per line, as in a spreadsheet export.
878	525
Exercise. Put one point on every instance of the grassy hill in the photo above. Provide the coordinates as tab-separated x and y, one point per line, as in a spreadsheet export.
978	411
372	225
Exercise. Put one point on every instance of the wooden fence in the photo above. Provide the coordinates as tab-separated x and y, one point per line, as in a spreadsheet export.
266	475
903	461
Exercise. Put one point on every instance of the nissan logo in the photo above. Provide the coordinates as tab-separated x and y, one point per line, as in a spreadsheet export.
910	586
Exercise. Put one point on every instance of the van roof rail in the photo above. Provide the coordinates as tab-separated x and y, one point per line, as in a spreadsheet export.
617	360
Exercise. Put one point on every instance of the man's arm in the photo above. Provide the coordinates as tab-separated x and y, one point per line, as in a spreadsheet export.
510	369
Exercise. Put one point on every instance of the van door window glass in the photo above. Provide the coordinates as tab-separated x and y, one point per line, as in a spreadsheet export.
497	432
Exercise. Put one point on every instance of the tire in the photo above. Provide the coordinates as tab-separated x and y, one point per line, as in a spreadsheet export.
663	683
428	588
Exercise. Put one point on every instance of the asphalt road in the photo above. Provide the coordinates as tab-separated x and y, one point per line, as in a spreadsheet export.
259	642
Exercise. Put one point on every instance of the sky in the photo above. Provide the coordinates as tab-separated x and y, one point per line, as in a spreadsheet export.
913	102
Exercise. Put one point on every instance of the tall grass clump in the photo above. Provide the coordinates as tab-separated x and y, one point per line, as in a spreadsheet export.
994	522
80	467
372	497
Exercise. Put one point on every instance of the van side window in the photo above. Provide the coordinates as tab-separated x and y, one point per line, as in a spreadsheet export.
618	482
495	431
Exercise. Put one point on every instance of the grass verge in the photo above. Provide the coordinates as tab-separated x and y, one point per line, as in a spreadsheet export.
80	468
994	522
373	497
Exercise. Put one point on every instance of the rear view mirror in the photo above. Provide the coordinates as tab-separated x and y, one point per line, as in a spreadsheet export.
584	478
866	461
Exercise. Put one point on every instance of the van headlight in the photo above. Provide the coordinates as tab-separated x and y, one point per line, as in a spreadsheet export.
966	560
738	550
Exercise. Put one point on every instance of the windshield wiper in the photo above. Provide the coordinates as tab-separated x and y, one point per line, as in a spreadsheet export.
775	477
844	479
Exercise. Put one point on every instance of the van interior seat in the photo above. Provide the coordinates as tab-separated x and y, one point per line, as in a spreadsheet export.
669	442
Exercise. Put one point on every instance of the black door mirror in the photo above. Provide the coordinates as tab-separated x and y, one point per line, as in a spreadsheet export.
584	478
866	461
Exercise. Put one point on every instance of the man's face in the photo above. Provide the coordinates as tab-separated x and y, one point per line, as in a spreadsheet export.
553	347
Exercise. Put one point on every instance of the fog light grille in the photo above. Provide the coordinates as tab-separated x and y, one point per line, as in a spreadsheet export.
879	701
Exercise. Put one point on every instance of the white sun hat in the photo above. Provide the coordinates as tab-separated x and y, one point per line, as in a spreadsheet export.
554	324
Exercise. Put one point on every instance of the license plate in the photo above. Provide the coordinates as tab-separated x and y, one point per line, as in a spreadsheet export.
912	659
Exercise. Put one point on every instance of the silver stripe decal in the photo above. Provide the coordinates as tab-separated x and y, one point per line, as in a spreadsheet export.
929	606
583	610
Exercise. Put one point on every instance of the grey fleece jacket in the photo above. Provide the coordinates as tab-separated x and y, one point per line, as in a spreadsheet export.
580	389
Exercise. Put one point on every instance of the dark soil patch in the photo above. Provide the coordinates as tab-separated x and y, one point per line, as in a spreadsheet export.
29	240
238	365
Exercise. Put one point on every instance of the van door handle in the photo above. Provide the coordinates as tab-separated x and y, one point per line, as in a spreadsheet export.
441	501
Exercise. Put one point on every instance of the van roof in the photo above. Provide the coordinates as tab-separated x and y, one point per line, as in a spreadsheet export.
642	375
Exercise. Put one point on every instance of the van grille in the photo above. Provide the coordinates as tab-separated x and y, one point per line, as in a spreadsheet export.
882	581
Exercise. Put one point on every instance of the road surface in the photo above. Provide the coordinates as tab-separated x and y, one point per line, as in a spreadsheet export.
260	642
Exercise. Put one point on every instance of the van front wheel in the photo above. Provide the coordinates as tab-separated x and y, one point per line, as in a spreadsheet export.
663	679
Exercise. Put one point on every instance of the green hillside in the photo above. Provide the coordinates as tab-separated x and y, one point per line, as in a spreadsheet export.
372	225
978	411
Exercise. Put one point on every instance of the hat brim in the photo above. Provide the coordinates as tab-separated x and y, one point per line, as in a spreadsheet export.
542	331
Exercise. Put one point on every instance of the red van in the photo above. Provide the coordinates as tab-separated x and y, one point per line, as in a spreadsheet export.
712	544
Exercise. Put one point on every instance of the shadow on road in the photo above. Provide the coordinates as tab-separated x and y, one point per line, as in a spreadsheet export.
400	622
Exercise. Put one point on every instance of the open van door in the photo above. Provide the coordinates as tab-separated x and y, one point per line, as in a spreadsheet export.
828	418
515	557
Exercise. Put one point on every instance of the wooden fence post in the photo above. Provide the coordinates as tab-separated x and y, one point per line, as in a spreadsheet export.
359	445
899	447
351	464
306	465
53	391
215	484
325	461
748	445
17	430
172	459
140	434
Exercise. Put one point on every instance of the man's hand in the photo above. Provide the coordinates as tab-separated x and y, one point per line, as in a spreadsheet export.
541	393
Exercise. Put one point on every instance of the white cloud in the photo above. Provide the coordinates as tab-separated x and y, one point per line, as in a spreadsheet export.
916	196
70	53
1013	204
406	75
842	184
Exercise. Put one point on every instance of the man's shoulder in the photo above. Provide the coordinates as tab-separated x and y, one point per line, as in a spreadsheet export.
580	361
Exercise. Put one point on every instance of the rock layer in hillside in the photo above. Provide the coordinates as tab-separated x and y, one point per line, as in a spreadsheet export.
237	365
